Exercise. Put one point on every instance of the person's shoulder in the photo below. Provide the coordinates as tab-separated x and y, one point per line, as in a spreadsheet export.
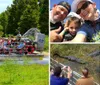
85	25
90	77
79	81
65	79
52	76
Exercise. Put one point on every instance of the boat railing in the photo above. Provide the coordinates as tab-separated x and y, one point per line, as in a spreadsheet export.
75	75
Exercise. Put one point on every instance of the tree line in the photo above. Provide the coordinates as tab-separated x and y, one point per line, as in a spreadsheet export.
23	15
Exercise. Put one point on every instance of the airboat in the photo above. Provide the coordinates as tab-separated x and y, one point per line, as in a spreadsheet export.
24	47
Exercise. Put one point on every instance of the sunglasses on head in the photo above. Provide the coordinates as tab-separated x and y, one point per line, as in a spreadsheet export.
84	6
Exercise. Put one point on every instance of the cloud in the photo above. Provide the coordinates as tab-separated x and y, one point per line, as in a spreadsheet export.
3	5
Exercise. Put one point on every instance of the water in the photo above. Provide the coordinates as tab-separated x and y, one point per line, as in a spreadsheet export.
31	60
44	60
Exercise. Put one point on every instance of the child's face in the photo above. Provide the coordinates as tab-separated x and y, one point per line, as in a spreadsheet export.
73	27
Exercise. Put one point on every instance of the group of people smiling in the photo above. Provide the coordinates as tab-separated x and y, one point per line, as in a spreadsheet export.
82	23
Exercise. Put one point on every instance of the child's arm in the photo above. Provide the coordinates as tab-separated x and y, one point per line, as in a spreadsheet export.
63	32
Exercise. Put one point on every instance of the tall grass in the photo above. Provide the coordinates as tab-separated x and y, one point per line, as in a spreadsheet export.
74	49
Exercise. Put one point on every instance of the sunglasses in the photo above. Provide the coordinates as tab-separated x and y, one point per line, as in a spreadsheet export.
84	6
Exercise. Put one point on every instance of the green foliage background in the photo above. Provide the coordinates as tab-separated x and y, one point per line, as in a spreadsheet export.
46	45
23	15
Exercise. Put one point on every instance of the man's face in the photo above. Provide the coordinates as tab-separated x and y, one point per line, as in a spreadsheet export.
88	12
59	13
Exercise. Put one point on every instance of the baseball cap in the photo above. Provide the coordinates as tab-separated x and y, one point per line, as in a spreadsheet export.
75	3
66	5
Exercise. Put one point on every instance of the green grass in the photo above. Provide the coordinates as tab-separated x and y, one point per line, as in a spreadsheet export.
46	45
16	74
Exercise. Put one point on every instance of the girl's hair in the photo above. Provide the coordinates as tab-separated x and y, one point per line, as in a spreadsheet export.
70	19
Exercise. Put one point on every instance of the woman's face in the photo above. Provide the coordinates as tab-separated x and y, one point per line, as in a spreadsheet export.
88	12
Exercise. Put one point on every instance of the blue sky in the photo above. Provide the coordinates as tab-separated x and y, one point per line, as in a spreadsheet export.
52	2
4	4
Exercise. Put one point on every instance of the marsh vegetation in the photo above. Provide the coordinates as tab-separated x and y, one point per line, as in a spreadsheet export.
80	51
